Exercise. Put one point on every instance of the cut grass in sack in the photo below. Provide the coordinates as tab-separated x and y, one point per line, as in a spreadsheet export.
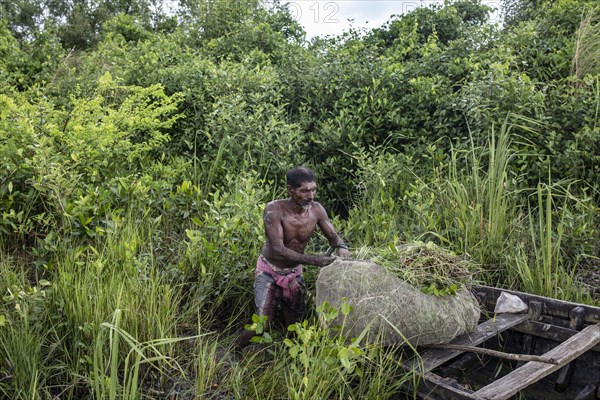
391	308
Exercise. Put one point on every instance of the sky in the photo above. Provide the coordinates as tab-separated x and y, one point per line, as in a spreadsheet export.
332	17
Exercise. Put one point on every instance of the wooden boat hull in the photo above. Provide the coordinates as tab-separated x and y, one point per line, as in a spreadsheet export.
568	333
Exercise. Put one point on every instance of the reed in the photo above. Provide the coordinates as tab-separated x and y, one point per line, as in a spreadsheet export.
539	266
478	204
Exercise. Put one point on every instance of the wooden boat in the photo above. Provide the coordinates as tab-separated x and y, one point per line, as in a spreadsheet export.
566	335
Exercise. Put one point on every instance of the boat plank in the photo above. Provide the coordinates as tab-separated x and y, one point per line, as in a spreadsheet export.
564	375
552	307
435	387
548	331
433	358
533	371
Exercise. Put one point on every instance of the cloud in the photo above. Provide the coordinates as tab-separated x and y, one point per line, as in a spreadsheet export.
333	17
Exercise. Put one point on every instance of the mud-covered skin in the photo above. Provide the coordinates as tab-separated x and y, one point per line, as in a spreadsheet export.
290	223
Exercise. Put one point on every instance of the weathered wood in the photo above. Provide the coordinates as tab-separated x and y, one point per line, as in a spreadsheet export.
564	375
588	393
552	307
496	353
433	358
533	371
547	331
535	310
466	362
556	321
434	387
535	313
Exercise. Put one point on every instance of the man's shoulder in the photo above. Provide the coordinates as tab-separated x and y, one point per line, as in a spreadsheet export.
317	204
275	204
319	208
274	207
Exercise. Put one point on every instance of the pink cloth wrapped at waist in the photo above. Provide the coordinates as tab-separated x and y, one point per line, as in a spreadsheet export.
285	279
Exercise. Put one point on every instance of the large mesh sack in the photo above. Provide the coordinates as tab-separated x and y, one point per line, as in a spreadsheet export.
381	299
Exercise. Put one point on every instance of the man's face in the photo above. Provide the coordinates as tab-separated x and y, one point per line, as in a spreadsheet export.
303	195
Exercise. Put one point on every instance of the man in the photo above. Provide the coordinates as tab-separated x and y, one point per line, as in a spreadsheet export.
289	224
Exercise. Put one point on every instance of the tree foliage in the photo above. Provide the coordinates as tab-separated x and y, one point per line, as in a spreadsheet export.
78	23
249	88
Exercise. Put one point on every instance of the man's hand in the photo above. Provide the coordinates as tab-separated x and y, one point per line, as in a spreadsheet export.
322	261
344	253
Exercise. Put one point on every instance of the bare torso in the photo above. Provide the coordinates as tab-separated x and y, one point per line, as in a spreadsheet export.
295	224
289	224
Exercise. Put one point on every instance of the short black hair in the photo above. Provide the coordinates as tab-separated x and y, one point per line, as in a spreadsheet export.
296	176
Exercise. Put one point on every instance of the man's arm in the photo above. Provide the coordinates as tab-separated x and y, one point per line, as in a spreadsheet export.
278	252
335	241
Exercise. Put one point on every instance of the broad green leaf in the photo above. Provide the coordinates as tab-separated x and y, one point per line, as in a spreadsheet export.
346	308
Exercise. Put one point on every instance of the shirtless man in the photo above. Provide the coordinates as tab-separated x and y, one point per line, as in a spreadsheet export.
289	224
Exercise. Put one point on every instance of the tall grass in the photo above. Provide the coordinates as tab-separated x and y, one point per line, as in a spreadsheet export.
120	275
22	334
477	202
523	244
210	365
52	334
540	266
21	351
124	373
587	44
469	201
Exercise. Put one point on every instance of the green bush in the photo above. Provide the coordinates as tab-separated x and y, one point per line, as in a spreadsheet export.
226	239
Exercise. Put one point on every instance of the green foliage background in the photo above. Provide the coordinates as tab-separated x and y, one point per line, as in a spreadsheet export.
139	145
